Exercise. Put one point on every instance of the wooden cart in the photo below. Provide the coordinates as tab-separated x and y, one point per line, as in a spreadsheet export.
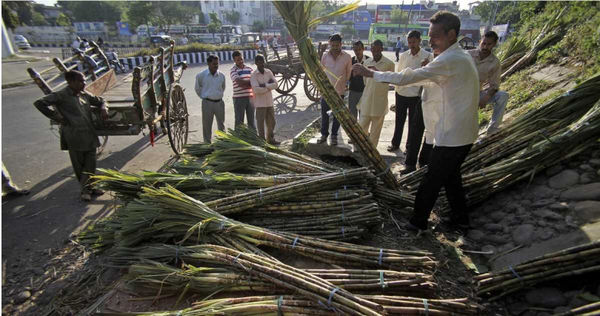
288	70
154	99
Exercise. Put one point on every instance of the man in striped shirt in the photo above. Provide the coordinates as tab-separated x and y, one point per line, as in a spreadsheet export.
242	91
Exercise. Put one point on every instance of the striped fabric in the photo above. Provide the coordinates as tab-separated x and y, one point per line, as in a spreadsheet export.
243	73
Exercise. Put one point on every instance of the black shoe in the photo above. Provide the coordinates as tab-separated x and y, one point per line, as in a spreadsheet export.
274	143
412	226
408	169
322	140
393	148
17	192
334	141
97	192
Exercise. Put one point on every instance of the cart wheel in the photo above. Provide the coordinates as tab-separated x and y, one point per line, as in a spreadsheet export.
177	118
103	140
286	82
311	90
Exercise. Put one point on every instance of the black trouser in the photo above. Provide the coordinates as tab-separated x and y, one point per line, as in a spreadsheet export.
335	126
416	128
402	105
397	53
425	153
443	170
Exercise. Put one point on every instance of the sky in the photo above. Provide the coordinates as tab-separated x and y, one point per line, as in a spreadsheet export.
464	4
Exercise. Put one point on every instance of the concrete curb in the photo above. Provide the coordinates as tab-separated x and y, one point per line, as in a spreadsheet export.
16	84
191	58
297	145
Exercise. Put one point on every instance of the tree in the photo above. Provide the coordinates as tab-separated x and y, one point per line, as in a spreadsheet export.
38	19
23	10
172	12
215	24
10	17
233	17
348	30
399	17
63	20
258	26
94	11
141	13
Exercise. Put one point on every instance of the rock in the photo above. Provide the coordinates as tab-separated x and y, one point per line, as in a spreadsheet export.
540	179
586	167
594	162
37	271
22	297
546	297
587	211
559	206
564	179
589	191
461	279
542	191
548	214
554	170
496	239
475	234
542	223
544	234
522	234
517	308
542	202
493	227
497	216
587	177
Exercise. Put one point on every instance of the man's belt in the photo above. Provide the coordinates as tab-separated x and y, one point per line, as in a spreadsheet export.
211	100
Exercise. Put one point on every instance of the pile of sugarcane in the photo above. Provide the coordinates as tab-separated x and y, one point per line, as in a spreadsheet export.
582	310
167	215
161	279
300	306
541	138
579	260
296	15
551	32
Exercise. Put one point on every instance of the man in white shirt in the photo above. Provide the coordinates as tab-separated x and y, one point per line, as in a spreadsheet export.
489	69
456	130
408	99
210	86
373	103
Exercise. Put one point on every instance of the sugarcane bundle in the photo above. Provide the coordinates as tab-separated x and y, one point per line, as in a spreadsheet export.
130	184
165	215
551	32
287	277
243	137
592	309
513	50
296	15
537	124
566	263
394	198
241	202
299	306
157	278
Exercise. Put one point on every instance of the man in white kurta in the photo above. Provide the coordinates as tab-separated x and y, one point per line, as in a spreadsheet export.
373	104
455	72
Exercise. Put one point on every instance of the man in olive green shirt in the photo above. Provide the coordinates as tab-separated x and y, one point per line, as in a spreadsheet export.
72	109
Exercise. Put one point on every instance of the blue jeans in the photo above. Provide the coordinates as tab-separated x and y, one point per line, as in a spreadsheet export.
499	100
335	126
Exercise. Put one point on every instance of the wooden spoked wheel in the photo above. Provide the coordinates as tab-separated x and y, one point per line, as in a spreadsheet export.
177	118
311	89
286	82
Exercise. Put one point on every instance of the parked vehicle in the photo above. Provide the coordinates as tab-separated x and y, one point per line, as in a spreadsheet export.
21	42
245	39
159	40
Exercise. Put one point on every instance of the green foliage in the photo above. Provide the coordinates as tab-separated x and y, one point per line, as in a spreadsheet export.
190	48
348	30
522	88
38	19
140	13
172	12
23	10
215	24
10	17
63	20
257	26
94	11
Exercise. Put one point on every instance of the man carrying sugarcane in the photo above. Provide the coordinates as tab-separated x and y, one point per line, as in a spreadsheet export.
457	127
338	67
242	91
373	104
489	69
73	110
210	87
